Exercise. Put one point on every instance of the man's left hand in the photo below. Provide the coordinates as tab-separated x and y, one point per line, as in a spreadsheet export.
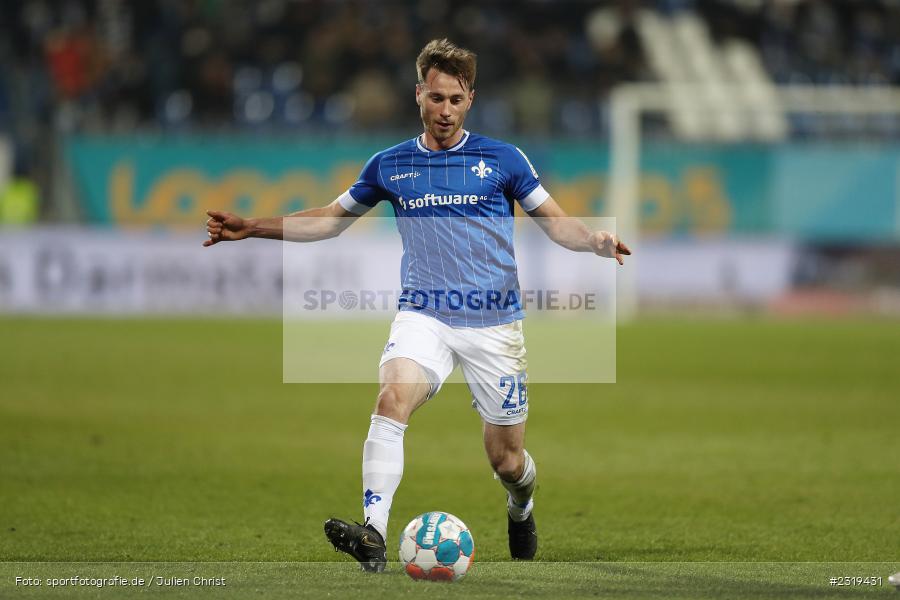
609	245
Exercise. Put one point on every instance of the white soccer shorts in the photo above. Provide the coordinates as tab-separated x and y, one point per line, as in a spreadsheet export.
492	361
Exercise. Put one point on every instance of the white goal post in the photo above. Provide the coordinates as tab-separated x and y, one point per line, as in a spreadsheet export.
629	102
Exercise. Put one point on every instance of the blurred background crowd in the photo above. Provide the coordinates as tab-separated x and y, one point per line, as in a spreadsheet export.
85	83
317	65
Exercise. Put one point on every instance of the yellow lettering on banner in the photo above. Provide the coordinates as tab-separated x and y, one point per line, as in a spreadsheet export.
119	191
276	197
181	196
575	195
698	202
235	187
161	204
344	175
709	210
658	205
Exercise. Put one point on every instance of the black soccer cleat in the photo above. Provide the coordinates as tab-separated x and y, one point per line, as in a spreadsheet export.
362	542
522	538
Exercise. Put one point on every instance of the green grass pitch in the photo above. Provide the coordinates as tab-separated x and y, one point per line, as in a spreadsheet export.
733	459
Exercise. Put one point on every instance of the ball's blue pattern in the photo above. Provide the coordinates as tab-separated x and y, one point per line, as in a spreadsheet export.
466	545
423	530
447	552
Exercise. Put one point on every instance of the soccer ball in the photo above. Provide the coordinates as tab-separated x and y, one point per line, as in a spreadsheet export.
436	546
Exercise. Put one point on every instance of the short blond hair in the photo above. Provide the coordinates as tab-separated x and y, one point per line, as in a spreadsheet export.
447	57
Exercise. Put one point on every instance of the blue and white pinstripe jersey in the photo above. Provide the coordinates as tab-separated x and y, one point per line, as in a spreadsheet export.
460	270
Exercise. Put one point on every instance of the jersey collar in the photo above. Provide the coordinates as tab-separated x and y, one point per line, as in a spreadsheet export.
459	144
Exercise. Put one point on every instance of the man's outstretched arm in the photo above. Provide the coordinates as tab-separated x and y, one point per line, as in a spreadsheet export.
309	225
571	233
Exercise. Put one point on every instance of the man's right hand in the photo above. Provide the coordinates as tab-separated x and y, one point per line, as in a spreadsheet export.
225	227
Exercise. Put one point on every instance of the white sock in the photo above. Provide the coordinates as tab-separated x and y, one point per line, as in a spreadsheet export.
519	498
382	470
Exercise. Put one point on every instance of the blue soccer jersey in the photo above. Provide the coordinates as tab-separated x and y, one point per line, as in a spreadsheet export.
460	270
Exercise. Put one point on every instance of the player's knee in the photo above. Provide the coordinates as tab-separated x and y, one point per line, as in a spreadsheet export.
390	404
508	465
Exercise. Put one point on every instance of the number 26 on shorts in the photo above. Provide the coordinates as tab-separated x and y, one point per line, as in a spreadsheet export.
511	383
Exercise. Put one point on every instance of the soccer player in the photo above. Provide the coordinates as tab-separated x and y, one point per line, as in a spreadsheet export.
460	300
